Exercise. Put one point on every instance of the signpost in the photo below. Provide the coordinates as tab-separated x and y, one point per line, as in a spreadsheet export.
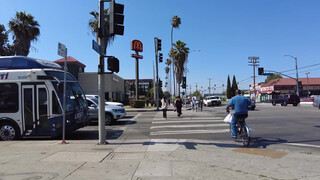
137	46
62	51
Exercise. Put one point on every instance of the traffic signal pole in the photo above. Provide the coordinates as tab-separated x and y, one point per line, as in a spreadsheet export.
157	77
101	88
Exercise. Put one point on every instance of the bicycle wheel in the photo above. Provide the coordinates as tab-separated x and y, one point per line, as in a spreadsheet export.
245	136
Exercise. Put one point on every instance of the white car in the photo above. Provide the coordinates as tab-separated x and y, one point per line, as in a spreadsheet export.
316	102
107	102
112	113
211	101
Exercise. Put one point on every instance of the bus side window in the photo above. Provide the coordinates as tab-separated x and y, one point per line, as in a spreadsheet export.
9	98
56	109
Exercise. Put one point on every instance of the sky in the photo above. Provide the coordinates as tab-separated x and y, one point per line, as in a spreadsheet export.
221	35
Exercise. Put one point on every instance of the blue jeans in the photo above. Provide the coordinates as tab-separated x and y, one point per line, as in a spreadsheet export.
233	127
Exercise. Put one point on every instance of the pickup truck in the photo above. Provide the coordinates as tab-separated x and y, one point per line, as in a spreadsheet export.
212	101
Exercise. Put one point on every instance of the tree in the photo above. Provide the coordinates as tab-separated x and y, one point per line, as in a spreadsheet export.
94	25
5	48
197	94
273	76
25	29
234	86
229	89
175	23
179	54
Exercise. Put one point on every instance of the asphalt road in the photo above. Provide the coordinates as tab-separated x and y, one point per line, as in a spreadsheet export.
294	126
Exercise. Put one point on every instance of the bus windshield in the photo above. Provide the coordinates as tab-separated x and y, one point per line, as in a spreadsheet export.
75	98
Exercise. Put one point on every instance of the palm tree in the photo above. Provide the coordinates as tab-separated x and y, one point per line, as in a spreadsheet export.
25	29
180	55
94	25
175	23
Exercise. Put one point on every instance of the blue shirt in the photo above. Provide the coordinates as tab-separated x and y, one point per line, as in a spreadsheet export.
240	104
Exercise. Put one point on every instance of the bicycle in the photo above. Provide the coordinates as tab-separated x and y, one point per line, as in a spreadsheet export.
242	129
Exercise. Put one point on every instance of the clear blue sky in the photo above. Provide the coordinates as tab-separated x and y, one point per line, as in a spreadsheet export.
226	32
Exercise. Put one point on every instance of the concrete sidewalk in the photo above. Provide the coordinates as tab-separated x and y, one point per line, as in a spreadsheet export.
153	159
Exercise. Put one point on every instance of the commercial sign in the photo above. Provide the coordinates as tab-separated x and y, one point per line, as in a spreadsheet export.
136	45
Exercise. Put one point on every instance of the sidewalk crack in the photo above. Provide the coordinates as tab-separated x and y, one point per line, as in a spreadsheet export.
75	170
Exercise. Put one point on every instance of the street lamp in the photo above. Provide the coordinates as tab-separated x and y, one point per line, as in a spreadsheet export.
307	73
295	58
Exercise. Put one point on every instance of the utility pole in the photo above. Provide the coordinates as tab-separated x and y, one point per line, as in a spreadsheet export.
253	60
209	86
101	88
307	73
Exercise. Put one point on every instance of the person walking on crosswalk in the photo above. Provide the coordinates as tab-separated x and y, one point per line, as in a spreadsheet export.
178	104
164	107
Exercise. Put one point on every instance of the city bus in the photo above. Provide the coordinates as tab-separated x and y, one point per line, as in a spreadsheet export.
31	99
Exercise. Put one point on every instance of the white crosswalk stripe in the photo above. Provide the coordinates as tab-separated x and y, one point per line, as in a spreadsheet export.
205	124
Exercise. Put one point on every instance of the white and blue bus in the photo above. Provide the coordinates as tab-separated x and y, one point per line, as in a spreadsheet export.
31	99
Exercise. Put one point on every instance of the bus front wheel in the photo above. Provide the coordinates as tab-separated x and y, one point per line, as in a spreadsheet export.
8	132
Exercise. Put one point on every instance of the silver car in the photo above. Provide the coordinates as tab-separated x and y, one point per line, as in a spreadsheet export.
112	113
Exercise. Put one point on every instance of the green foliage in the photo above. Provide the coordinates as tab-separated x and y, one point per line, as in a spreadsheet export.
273	76
5	48
25	29
137	103
166	94
196	93
151	93
229	89
234	86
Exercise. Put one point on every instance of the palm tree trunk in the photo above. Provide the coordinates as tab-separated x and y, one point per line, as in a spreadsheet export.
172	66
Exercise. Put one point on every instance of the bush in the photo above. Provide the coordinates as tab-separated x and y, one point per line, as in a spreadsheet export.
137	103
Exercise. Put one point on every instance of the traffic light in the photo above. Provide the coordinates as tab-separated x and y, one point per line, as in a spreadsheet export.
300	84
160	57
113	64
184	82
158	45
116	18
260	71
160	83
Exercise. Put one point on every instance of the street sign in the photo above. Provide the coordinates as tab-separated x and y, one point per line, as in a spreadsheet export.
96	47
62	50
137	56
267	74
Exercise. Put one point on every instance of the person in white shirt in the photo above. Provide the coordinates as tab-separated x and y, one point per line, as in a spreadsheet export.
164	106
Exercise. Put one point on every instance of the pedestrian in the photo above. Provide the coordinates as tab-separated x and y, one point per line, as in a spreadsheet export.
178	104
201	104
164	107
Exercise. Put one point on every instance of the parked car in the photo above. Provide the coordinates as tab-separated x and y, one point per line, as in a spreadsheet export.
211	101
285	99
112	113
107	102
316	102
253	104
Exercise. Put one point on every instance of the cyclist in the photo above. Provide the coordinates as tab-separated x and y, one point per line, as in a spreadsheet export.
240	104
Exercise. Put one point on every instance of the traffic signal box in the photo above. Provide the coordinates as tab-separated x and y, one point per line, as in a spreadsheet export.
184	82
113	64
158	45
160	83
300	84
160	57
260	71
116	18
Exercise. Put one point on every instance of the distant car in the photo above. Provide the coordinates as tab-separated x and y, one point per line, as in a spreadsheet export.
107	102
253	104
316	102
112	113
285	99
211	101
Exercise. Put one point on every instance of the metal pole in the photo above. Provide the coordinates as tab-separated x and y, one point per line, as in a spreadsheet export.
209	86
254	79
137	77
101	88
154	84
64	99
157	77
308	83
298	92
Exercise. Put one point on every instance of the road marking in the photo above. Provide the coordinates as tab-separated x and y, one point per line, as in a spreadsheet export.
190	125
302	145
135	117
157	133
175	118
200	121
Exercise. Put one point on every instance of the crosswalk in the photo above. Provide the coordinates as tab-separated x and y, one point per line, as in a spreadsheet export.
190	123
